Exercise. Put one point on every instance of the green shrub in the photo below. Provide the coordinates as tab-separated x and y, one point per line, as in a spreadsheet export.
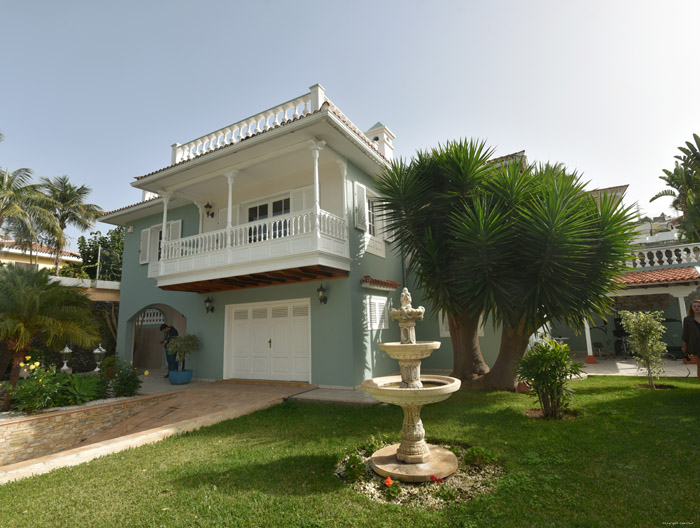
182	346
372	444
479	457
546	367
391	489
354	468
38	391
446	493
82	388
645	330
126	380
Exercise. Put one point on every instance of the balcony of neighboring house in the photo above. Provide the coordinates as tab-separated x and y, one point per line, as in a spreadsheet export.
664	256
271	195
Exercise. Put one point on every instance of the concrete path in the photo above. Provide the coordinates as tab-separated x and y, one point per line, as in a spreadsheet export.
628	367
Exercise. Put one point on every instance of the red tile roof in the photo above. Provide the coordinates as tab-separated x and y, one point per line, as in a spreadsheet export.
659	276
11	244
105	213
377	283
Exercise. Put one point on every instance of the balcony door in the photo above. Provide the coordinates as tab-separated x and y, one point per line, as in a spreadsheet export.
263	211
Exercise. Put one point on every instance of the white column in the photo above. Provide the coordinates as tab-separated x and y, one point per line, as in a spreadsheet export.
200	207
590	358
164	236
230	176
316	148
681	305
344	175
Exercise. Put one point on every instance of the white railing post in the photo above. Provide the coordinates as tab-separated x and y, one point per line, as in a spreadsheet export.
164	233
318	97
174	158
316	148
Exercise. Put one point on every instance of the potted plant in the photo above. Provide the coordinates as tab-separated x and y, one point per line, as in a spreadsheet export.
182	346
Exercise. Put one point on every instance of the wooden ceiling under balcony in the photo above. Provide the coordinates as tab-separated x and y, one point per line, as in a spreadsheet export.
259	280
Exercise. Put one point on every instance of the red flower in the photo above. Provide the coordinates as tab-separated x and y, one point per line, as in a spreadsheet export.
432	477
388	482
439	480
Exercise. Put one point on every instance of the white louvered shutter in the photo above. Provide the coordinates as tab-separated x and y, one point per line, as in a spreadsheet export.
361	212
143	248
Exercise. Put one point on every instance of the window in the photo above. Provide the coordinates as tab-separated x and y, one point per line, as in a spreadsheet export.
150	250
377	312
280	228
371	216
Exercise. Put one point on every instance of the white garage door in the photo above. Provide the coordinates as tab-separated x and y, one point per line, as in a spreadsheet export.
268	341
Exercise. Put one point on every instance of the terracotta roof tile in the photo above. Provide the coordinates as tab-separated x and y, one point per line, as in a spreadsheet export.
378	283
132	205
659	276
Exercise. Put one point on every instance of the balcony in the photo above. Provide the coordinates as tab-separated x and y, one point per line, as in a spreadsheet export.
645	258
279	250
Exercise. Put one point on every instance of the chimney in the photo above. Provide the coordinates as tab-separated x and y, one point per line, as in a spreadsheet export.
382	137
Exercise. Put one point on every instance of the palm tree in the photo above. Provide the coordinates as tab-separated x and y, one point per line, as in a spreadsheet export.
682	183
19	200
539	248
418	198
69	209
31	306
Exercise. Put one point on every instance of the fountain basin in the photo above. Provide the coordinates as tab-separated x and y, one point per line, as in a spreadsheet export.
388	390
409	351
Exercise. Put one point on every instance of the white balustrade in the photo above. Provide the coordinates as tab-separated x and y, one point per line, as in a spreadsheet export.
655	257
244	128
277	227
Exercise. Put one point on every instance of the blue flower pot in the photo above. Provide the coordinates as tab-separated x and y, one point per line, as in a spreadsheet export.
179	377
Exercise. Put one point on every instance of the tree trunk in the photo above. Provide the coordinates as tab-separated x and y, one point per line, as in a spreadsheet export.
17	357
513	345
469	365
5	356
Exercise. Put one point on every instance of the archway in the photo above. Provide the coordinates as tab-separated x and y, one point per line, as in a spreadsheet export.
146	351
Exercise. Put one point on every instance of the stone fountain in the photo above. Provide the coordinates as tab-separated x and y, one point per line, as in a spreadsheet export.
412	460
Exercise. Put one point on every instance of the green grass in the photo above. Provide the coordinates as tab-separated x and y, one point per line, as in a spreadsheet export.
629	459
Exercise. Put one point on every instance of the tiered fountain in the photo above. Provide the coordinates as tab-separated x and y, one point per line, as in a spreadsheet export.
412	460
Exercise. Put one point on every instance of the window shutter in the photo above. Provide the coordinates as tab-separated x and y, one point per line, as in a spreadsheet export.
360	206
377	313
143	249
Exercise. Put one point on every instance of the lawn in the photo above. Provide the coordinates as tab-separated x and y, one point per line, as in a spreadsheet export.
629	459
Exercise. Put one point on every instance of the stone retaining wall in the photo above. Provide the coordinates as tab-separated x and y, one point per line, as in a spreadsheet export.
42	434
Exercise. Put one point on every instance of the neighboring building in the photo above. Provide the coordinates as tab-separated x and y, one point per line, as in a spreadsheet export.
234	239
41	256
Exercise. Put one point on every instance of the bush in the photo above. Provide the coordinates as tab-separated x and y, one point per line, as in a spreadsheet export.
82	389
645	330
479	457
354	468
125	381
37	392
182	346
546	368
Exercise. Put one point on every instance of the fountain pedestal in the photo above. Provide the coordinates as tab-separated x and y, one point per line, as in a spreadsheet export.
413	460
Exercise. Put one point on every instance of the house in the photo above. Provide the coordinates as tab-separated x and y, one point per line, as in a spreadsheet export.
262	239
662	278
41	256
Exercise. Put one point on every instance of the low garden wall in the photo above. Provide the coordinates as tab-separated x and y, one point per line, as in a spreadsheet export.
46	433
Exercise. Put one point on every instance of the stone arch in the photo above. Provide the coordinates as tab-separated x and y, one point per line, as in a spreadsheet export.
144	328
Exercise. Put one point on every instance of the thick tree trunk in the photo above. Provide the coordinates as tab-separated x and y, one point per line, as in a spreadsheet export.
17	357
469	365
5	356
513	345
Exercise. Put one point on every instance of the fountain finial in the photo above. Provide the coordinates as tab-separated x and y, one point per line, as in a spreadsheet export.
407	316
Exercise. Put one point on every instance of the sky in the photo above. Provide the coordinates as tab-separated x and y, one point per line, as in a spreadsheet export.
100	90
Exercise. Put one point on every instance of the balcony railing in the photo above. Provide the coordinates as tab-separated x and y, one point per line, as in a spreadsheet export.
656	257
297	239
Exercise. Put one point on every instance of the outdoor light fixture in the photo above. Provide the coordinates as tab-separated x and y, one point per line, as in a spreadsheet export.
65	356
99	353
322	298
209	304
210	213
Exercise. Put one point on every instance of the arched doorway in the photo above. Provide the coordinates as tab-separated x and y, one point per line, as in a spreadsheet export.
147	352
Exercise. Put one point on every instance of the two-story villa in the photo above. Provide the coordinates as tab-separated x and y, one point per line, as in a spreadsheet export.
261	238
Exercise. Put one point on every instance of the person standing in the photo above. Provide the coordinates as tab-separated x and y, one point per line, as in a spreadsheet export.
691	333
169	333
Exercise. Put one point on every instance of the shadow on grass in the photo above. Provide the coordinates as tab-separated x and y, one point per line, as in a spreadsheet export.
293	475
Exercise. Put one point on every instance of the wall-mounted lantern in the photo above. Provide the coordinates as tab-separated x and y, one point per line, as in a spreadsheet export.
322	298
207	208
209	304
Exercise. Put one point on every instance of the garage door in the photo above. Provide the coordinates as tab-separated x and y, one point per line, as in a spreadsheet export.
268	341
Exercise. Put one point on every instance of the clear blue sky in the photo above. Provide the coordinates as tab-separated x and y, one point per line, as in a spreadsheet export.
100	90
